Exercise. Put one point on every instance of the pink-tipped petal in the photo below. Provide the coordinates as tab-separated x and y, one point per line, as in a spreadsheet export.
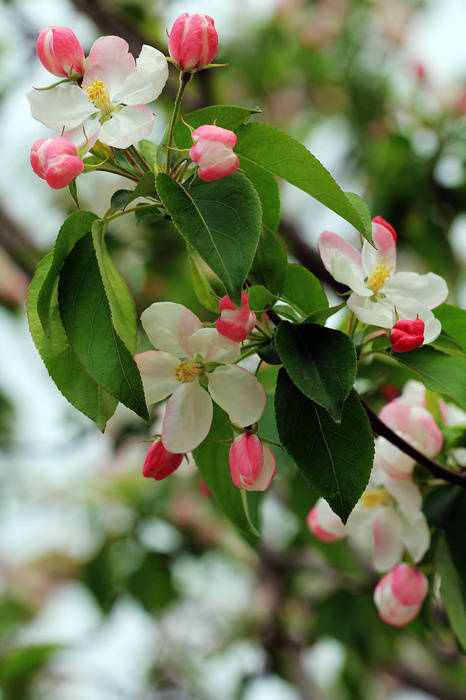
235	323
211	132
193	41
399	595
343	262
324	523
60	52
245	458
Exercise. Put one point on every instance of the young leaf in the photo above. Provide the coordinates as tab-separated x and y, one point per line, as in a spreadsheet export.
335	457
452	591
87	320
303	290
279	154
62	363
321	362
221	220
270	264
211	458
227	116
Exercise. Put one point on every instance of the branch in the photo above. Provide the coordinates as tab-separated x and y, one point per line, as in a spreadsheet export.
15	241
436	469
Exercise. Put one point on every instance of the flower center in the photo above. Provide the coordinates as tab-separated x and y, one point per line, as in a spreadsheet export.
375	497
378	277
98	94
188	371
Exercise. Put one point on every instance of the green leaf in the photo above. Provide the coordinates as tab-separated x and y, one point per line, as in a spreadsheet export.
73	190
20	665
87	320
321	315
453	320
144	188
148	151
361	207
211	458
227	116
201	285
444	374
62	363
452	591
321	362
279	154
260	298
336	458
267	188
221	220
270	264
303	290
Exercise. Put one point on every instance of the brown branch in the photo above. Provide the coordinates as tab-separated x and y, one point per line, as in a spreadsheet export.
436	469
405	676
15	241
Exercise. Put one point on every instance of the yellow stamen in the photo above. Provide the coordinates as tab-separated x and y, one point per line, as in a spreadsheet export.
98	94
378	277
188	371
375	497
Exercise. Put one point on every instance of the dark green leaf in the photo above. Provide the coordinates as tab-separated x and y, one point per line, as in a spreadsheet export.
227	116
267	188
452	591
87	320
221	220
453	320
321	315
327	453
73	189
144	188
201	285
279	154
439	504
19	665
320	361
260	298
270	264
303	290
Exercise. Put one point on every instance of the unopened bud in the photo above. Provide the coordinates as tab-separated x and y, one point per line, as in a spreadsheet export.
193	41
159	462
60	52
399	595
56	161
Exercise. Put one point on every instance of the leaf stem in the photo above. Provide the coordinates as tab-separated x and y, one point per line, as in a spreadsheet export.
244	501
184	80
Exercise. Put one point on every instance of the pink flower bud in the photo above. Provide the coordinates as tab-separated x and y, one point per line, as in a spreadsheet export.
193	41
213	152
252	464
56	160
60	52
399	595
407	335
235	322
159	462
380	221
324	523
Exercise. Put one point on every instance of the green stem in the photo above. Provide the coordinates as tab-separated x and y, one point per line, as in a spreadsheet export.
244	501
134	162
139	159
184	80
115	171
129	211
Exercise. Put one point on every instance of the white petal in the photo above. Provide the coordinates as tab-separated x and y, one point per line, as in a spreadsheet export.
239	393
343	262
109	60
386	539
406	494
432	326
374	313
169	327
187	419
148	80
127	126
62	108
428	290
267	471
383	252
392	461
85	135
416	536
158	374
213	346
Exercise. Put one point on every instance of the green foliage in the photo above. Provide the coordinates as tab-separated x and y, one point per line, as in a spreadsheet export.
201	284
452	590
227	116
320	361
144	188
267	188
303	290
19	666
221	220
325	451
260	298
453	320
270	264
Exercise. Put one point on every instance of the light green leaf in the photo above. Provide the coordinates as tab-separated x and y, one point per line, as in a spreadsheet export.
260	298
270	264
201	285
452	591
267	188
453	320
303	290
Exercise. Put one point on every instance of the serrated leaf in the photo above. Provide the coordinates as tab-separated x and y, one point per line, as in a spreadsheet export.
326	452
221	220
303	290
320	361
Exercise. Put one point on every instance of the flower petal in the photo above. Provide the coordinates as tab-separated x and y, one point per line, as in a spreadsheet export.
187	419
127	126
169	326
383	252
148	80
85	135
374	313
109	60
432	326
239	393
429	290
386	539
415	535
213	347
343	262
158	374
267	472
62	108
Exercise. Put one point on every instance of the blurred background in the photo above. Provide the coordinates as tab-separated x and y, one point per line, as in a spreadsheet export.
112	586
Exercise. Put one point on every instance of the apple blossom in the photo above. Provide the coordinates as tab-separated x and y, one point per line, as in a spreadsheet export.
56	161
213	152
60	52
399	595
324	523
180	368
111	103
193	41
252	464
235	323
407	335
380	296
159	462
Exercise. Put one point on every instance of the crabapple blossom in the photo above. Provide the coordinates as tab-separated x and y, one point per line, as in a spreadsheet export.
193	41
183	368
407	335
235	323
213	152
110	104
324	523
252	464
159	462
60	52
380	295
399	595
56	161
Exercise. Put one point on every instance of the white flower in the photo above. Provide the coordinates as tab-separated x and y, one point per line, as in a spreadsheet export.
380	296
177	369
111	103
